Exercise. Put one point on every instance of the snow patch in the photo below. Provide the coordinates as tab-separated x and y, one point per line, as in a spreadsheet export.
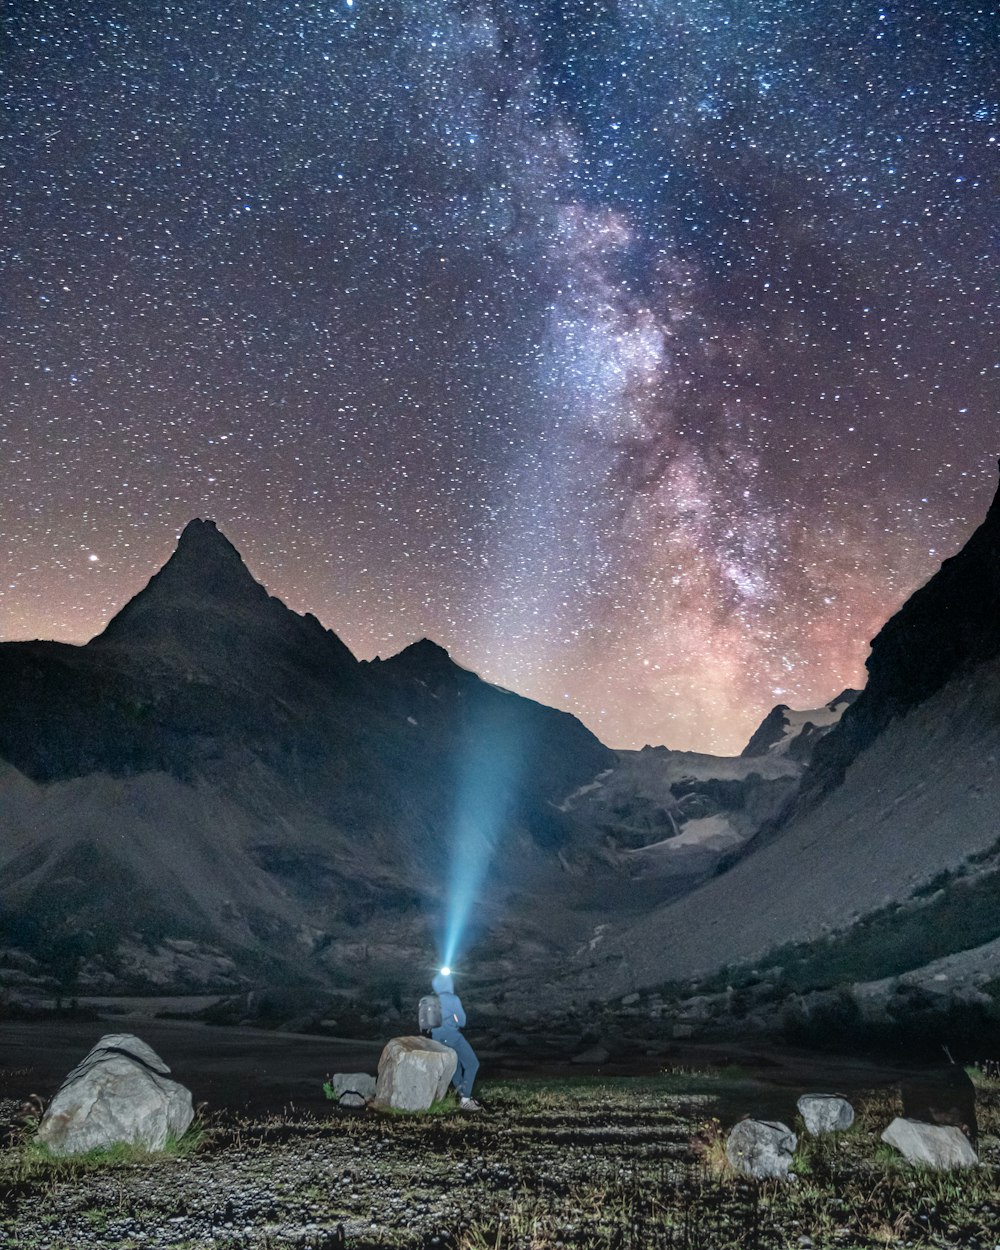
711	832
597	784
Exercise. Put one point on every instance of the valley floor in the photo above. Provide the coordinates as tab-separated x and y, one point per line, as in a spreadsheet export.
589	1163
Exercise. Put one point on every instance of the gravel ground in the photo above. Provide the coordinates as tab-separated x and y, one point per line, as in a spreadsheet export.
369	1178
586	1163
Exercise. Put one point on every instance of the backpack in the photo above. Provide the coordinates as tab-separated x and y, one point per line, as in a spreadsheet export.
429	1013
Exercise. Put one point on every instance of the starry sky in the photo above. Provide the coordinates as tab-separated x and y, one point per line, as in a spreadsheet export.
644	353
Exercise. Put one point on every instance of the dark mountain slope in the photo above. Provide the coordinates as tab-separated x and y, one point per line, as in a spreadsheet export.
204	612
905	787
215	767
941	633
505	741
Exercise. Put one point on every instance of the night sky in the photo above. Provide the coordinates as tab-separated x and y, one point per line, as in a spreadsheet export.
644	354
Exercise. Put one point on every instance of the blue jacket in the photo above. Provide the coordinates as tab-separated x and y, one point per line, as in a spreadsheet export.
452	1011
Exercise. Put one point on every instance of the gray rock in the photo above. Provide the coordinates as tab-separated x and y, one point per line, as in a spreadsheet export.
353	1082
413	1072
825	1113
119	1093
936	1146
761	1148
351	1098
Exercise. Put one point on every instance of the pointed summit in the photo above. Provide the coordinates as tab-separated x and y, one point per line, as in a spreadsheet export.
205	575
206	562
426	653
428	662
204	607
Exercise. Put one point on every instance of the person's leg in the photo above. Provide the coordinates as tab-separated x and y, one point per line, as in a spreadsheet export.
468	1065
457	1080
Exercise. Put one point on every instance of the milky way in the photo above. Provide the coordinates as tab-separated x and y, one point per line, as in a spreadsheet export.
642	354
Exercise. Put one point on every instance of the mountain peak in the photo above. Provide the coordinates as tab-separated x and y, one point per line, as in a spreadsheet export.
426	651
425	660
207	561
202	531
205	574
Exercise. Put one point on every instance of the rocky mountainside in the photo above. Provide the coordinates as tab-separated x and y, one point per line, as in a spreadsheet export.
888	856
214	793
217	777
787	732
944	631
667	820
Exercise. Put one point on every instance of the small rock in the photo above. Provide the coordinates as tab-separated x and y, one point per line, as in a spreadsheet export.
937	1146
356	1082
825	1113
351	1098
761	1148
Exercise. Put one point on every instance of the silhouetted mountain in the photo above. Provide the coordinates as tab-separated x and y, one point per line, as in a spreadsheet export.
944	630
217	768
203	609
889	856
214	792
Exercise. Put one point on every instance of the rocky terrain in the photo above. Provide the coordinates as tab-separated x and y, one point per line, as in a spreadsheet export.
214	795
887	857
796	733
633	1163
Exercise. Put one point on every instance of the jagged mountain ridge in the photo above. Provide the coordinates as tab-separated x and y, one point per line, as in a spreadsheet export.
788	731
216	767
904	789
947	627
217	770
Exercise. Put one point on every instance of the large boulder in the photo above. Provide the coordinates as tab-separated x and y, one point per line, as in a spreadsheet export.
938	1146
413	1073
761	1148
825	1113
119	1093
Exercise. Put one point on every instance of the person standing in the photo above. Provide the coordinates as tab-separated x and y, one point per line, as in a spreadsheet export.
449	1032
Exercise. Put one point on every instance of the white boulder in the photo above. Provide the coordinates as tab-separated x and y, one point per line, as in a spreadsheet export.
413	1073
939	1146
119	1093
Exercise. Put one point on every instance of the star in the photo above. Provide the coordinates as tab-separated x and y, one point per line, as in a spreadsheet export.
643	355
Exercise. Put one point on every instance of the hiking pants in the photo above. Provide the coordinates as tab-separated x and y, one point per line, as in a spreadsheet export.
468	1064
